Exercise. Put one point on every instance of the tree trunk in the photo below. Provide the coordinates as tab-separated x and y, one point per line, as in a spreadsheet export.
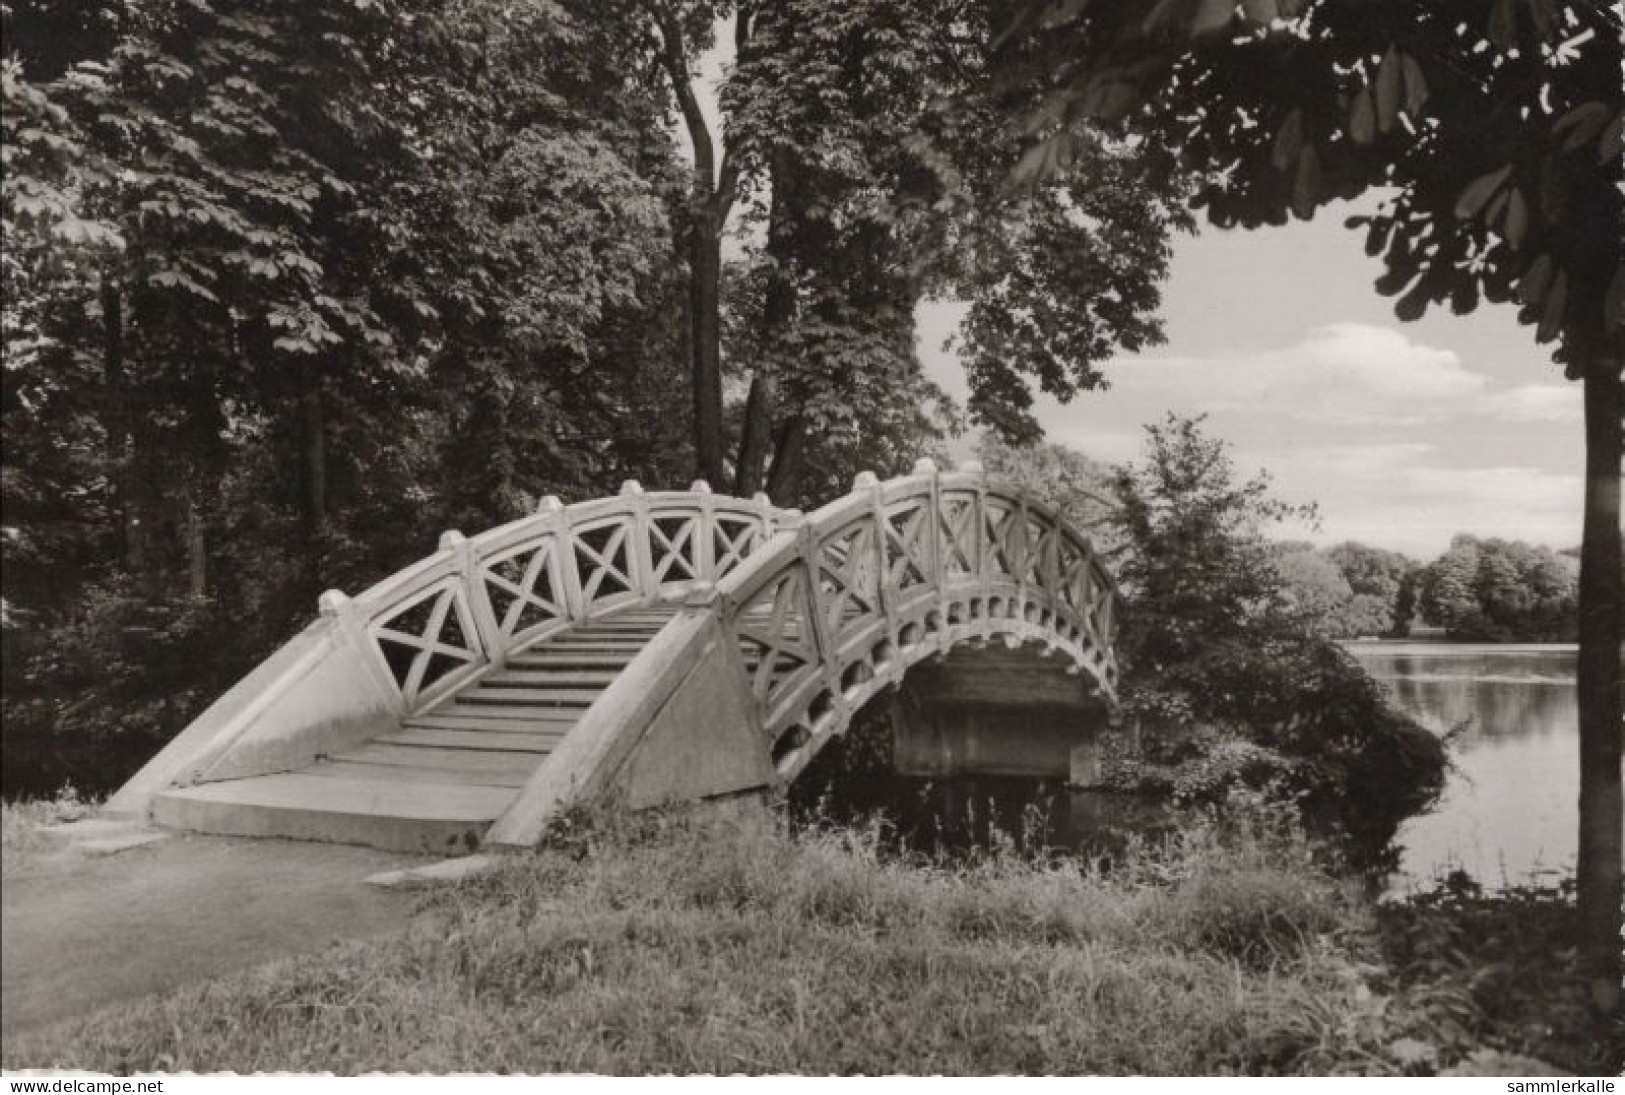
115	419
778	309
758	432
1602	707
705	341
710	198
197	547
312	450
785	478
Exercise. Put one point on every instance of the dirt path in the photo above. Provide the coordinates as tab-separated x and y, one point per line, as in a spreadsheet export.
83	932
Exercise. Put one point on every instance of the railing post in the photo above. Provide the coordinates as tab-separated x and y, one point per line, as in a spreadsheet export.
765	505
807	558
489	630
639	551
1024	566
565	553
934	517
705	532
869	483
338	607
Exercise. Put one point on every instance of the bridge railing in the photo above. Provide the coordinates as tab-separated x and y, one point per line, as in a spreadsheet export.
839	603
434	626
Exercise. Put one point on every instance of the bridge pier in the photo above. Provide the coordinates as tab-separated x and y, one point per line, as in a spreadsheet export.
997	712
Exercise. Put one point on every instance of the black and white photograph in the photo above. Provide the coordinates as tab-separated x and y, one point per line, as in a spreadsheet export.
812	538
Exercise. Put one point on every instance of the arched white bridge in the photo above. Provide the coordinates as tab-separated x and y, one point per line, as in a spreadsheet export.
653	646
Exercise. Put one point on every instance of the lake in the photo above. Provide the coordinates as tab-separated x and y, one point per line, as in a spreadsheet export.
1509	810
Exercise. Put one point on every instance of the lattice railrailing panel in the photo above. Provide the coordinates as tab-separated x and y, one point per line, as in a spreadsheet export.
428	641
1002	530
733	539
605	561
848	576
908	545
959	534
674	547
523	588
777	636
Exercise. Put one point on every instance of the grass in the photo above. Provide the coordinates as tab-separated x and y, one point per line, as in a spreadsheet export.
689	944
21	825
694	943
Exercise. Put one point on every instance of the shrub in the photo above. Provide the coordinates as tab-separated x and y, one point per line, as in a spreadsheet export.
1227	683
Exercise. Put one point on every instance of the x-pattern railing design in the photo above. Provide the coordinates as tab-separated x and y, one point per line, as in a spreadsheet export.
437	625
825	608
842	601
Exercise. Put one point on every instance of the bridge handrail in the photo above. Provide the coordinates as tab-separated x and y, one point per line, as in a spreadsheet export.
433	626
920	586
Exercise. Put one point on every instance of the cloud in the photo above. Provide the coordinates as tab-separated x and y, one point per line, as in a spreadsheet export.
1403	496
1534	403
1351	373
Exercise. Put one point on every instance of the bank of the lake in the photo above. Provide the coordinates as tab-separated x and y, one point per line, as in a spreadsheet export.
693	944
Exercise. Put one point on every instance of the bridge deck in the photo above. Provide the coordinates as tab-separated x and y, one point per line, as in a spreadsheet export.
439	780
502	731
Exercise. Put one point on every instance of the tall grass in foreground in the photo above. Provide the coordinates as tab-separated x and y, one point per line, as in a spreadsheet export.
676	943
22	824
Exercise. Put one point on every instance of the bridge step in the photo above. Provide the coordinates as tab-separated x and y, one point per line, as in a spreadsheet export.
439	780
551	660
500	721
544	678
517	741
428	817
457	761
407	773
483	696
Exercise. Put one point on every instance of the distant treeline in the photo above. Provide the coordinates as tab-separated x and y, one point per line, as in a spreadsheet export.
1493	590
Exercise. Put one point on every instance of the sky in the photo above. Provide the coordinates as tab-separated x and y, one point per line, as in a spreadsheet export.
1403	434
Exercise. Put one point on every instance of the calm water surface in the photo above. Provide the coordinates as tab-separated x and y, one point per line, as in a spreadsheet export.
1509	811
1507	814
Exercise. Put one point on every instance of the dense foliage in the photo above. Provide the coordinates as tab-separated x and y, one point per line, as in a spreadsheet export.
289	289
1229	682
1498	589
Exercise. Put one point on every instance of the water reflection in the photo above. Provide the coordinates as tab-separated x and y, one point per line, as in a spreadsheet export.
1508	812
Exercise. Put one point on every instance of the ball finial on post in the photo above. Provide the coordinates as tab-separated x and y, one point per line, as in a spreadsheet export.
972	467
865	480
925	466
631	486
549	504
700	486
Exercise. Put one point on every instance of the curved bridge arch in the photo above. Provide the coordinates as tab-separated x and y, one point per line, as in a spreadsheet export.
844	601
661	645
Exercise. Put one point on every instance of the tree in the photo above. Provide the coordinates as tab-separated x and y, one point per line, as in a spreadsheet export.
1224	662
289	288
1500	590
1495	126
861	189
1078	488
1376	578
863	133
1316	589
